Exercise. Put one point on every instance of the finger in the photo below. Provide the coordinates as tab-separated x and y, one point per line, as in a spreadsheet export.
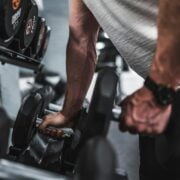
159	128
44	125
53	120
125	101
141	127
157	117
53	132
148	132
45	131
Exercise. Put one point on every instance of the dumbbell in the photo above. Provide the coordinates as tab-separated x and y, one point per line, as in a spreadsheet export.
28	28
39	45
44	78
108	54
38	39
11	17
44	149
34	107
45	43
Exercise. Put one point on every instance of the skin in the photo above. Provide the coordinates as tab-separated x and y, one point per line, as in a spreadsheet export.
141	114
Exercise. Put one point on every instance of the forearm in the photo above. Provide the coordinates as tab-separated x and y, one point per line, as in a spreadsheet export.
80	69
81	56
166	65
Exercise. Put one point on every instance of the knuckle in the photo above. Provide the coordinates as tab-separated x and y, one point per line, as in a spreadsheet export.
159	130
129	123
141	128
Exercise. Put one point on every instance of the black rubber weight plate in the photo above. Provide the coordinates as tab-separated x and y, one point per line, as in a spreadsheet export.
31	24
45	43
11	16
39	36
25	123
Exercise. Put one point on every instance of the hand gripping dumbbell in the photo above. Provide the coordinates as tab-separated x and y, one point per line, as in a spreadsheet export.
26	134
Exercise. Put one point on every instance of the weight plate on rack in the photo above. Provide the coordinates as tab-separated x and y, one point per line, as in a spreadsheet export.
28	30
25	124
11	16
45	43
39	36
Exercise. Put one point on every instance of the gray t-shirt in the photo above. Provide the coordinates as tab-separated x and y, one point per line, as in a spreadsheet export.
131	25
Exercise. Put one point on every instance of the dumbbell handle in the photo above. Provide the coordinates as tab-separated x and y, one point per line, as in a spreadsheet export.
116	112
54	107
59	132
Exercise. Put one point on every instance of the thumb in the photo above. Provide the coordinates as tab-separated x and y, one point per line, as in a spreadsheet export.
56	120
44	124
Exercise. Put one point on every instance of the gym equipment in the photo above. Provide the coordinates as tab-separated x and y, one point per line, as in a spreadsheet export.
107	53
38	38
5	124
12	57
11	17
31	108
98	167
45	43
93	121
28	29
18	28
13	170
44	78
109	57
167	145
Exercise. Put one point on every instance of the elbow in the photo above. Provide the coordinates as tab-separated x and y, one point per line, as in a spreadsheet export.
82	35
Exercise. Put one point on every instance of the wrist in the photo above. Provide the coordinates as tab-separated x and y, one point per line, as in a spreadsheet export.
163	95
164	74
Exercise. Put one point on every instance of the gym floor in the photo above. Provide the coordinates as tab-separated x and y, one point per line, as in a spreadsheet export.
125	145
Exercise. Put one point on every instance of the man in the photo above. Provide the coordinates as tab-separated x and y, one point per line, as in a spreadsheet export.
146	33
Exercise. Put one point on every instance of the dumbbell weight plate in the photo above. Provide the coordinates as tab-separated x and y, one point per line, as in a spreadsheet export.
39	36
11	17
100	109
28	29
12	14
45	43
25	124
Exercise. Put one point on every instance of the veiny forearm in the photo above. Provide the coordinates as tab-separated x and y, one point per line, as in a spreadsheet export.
166	65
81	56
80	69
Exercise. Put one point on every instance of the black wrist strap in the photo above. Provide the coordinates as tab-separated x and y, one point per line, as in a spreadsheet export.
150	84
163	95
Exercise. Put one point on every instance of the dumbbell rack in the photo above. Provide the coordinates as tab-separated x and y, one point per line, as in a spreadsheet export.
12	57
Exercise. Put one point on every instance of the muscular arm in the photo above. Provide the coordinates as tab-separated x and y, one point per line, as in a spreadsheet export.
81	60
166	65
81	56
